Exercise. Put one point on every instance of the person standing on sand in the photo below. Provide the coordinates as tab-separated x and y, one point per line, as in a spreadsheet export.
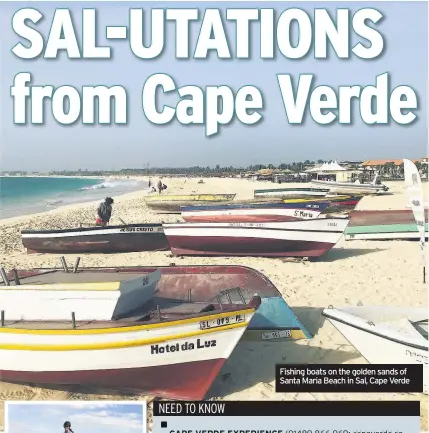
149	184
160	186
104	212
67	427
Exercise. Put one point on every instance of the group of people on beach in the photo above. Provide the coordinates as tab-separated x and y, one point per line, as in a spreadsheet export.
104	210
161	186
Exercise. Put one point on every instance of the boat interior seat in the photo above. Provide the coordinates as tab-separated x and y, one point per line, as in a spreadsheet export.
182	309
208	308
189	308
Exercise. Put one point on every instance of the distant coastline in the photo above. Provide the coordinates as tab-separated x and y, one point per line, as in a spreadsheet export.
24	195
67	176
388	169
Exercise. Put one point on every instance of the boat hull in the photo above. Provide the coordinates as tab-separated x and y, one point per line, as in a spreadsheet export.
349	188
172	204
291	192
272	212
273	318
311	238
190	197
115	239
383	225
338	204
377	348
175	360
174	207
186	381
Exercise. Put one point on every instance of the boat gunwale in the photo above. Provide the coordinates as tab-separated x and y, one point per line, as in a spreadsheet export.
289	205
257	226
93	228
330	200
119	344
184	197
308	189
378	334
381	187
178	270
198	317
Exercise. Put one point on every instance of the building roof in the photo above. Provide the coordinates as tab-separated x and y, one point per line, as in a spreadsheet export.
378	162
327	166
265	171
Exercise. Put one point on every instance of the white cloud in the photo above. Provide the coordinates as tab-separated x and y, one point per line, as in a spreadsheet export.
91	417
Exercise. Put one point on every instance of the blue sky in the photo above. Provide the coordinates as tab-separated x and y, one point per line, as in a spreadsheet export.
84	418
272	141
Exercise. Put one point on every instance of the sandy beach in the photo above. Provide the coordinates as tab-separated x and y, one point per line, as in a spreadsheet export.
373	273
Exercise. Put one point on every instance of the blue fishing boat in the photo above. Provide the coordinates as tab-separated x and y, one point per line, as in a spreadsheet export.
255	213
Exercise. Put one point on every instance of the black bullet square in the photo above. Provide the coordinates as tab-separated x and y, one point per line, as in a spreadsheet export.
163	424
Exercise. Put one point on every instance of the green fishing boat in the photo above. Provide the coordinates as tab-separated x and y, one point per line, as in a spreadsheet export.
383	225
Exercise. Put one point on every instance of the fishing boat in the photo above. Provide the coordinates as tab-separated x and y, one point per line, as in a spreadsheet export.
383	225
338	204
274	320
162	347
303	238
291	192
261	212
171	204
385	335
350	187
110	239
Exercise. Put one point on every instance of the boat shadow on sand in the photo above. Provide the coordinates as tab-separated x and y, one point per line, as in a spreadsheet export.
336	254
248	366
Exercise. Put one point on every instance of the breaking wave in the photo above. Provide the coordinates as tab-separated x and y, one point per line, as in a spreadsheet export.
111	184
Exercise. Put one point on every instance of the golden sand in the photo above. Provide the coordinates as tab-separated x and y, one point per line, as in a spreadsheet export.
378	273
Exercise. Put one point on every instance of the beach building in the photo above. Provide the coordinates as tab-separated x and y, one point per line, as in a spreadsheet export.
351	164
393	168
335	172
378	164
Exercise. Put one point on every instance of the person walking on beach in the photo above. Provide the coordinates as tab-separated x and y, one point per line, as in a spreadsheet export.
104	212
160	186
67	427
149	184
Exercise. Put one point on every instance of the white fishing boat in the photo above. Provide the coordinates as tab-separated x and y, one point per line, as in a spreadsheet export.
351	187
385	335
259	212
290	193
300	238
160	346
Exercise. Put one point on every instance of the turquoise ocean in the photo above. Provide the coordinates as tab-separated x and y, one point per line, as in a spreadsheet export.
26	195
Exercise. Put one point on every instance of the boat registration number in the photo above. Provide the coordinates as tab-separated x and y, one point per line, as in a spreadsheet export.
250	225
275	334
222	321
140	229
